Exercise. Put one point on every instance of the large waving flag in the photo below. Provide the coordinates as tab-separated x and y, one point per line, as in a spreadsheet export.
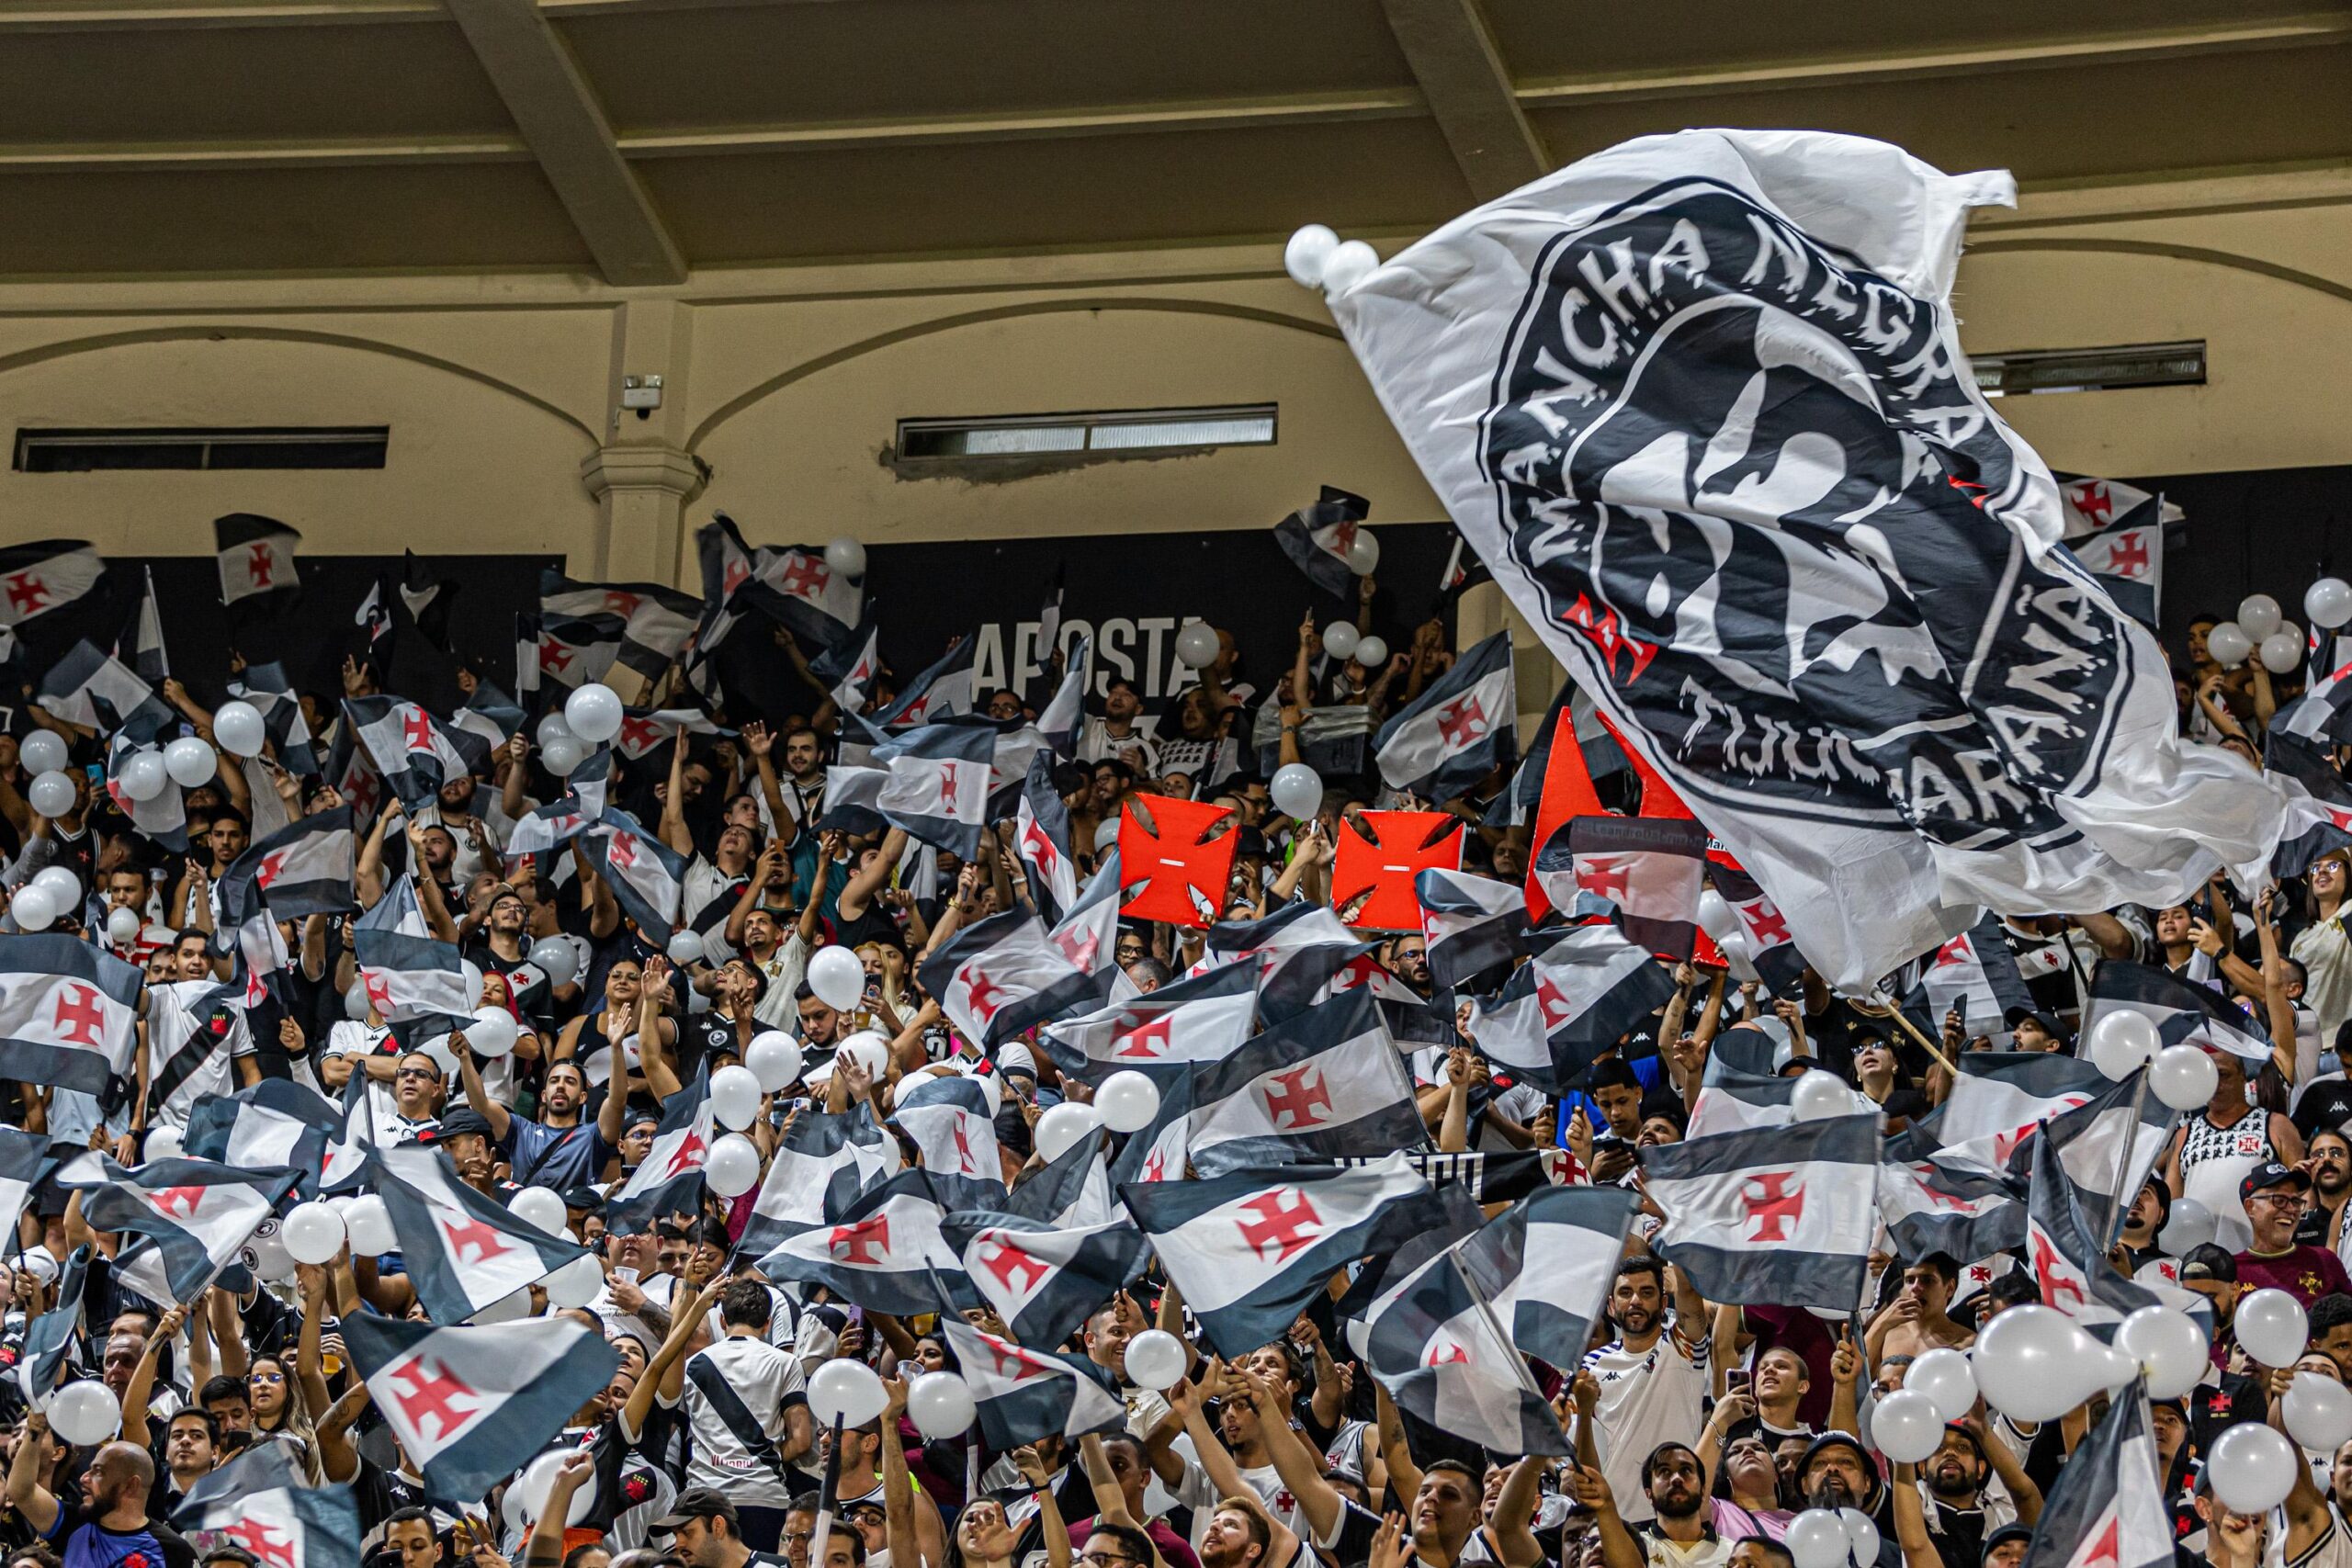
46	575
415	752
2073	1272
1199	1020
1575	1000
1317	538
1697	402
1545	1265
1461	729
823	1164
1045	1284
198	1215
275	1122
953	1122
468	1405
885	1254
668	1181
462	1251
1025	1394
261	1502
1326	1083
40	1365
2107	1507
1445	1355
1783	1216
1251	1249
1472	924
1004	975
68	1013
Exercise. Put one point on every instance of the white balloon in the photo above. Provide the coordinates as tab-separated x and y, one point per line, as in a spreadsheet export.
1297	790
162	1143
845	1392
575	1284
2122	1041
2328	603
2192	1224
237	726
1196	644
1340	639
593	711
2184	1077
2280	652
868	1050
33	909
84	1413
1372	652
1363	553
2171	1350
1064	1125
355	1002
562	754
271	1260
2252	1467
1106	832
50	793
1306	255
1156	1358
190	761
543	1207
1816	1539
1861	1534
941	1405
538	1483
2033	1363
2318	1411
1946	1378
1717	917
2273	1326
846	555
552	726
732	1167
1818	1096
1349	263
2290	630
837	977
64	891
370	1224
142	776
2228	644
492	1032
775	1060
1905	1425
735	1097
685	947
123	925
2258	614
42	751
312	1232
1129	1100
557	957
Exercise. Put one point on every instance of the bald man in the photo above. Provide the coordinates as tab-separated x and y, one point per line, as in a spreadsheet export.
107	1526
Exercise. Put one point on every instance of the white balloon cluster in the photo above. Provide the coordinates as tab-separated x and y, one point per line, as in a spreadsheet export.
1831	1538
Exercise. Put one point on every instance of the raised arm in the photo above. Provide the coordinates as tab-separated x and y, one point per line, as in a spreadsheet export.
478	1096
673	815
25	1492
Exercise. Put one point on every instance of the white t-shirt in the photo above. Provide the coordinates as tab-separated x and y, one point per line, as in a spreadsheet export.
768	1382
1195	1492
1646	1398
176	1013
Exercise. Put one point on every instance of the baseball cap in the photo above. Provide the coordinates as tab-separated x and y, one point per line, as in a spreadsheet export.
698	1503
462	1121
2269	1173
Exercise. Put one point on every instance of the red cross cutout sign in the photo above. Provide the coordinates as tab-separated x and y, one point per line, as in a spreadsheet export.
1170	869
1380	855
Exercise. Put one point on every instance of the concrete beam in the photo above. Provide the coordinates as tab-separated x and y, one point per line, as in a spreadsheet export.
1462	74
558	112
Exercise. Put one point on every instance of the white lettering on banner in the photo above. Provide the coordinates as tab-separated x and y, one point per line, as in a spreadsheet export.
1156	674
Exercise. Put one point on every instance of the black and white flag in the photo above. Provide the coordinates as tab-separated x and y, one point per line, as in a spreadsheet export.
46	575
1698	402
143	639
1445	1355
49	1337
462	1251
261	1502
304	868
2108	1509
953	1122
2068	1262
1545	1266
1317	539
1204	1018
1472	924
655	621
415	752
1045	1284
847	670
257	556
942	691
2000	1098
69	1013
1574	999
1781	1216
668	1181
468	1403
2129	564
1648	871
647	877
98	691
1023	1395
1249	1249
1073	1189
275	1122
1041	837
2184	1014
936	783
824	1163
1976	974
406	974
198	1214
885	1254
1002	976
2319	806
1930	1208
1458	731
1326	1083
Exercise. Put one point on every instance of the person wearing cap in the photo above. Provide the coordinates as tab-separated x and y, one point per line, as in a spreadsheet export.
706	1531
2005	1548
2274	1197
465	1134
1838	1472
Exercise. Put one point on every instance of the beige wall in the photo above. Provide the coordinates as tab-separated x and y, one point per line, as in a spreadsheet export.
783	386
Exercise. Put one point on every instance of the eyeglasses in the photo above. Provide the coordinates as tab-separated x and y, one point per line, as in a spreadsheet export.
415	1073
2281	1200
1104	1559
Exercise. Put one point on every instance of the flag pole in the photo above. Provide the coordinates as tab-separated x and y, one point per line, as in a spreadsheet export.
824	1528
2123	1159
1904	1022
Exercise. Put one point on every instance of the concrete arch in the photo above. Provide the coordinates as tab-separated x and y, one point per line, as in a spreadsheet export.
802	371
71	347
2164	251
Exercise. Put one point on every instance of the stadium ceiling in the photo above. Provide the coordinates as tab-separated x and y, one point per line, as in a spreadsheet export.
634	140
